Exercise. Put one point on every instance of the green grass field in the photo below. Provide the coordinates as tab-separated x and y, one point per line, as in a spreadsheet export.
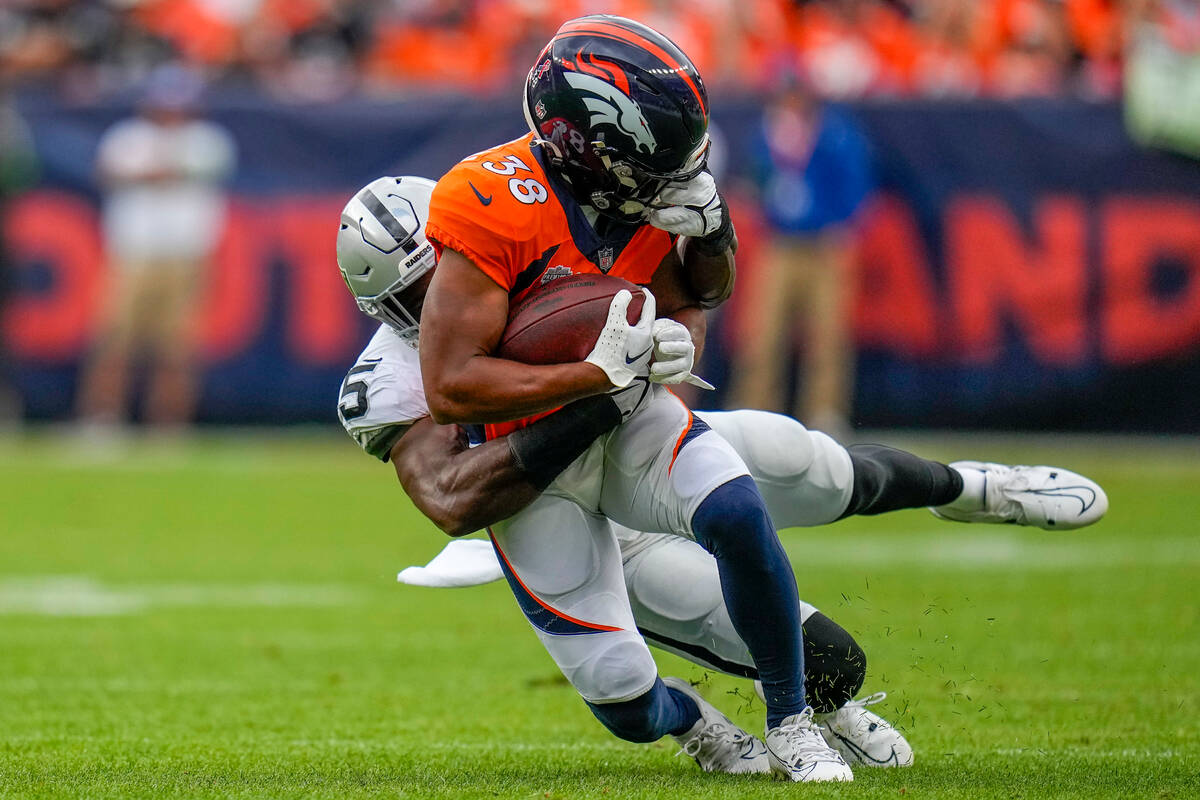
220	618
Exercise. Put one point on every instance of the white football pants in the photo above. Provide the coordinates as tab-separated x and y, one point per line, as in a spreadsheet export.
564	564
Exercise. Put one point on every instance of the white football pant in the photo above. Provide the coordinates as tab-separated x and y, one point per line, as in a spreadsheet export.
563	561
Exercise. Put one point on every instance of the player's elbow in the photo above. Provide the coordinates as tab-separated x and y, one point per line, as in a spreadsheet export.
456	526
450	403
446	512
445	408
432	496
452	505
453	517
450	523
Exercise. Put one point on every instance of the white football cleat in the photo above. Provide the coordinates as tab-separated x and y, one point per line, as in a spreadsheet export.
1046	497
799	753
715	742
864	737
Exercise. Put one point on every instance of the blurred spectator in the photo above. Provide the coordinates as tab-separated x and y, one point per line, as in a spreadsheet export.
316	50
1162	98
946	60
814	177
1026	47
163	214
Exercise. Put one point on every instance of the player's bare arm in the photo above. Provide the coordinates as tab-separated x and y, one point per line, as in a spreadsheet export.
463	319
710	275
677	299
679	336
463	489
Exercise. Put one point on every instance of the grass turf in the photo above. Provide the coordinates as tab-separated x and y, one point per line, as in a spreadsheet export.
219	618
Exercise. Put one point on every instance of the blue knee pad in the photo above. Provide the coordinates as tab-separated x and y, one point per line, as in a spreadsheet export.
650	716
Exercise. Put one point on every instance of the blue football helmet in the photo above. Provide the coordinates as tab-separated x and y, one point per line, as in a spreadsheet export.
620	111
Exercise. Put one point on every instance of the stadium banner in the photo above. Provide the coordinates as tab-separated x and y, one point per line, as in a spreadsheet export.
1022	265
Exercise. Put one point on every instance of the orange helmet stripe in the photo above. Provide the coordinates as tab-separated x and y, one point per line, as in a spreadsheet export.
612	31
602	68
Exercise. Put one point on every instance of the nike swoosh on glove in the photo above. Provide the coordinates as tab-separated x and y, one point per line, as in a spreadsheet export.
674	355
622	350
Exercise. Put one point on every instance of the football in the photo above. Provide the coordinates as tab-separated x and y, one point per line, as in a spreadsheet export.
559	321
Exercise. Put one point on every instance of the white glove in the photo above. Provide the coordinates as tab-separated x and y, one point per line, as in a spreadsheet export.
623	351
631	398
690	209
674	354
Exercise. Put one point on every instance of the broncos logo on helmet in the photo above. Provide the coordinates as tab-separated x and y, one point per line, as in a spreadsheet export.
610	107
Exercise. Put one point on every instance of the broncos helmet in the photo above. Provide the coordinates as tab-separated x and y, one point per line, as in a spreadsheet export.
382	249
620	112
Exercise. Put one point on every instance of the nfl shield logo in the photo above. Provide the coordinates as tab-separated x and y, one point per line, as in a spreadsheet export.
606	259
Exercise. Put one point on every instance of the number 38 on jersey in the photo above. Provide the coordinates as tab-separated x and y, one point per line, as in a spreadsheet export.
526	190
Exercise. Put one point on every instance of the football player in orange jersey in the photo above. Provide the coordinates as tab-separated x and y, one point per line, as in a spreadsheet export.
612	179
673	586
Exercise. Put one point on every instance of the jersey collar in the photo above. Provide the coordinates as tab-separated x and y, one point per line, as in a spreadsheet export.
593	245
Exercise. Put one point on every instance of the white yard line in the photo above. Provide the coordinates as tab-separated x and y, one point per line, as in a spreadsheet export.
78	596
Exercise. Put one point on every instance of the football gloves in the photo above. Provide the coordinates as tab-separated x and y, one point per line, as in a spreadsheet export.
674	354
694	209
622	350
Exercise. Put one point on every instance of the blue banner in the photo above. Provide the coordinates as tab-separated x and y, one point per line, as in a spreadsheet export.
1023	265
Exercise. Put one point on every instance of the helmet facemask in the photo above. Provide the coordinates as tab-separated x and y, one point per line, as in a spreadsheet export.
640	187
613	184
391	307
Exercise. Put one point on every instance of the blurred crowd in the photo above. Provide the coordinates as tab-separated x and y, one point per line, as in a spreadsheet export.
312	50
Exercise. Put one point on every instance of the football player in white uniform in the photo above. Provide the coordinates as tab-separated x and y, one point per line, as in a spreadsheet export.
674	593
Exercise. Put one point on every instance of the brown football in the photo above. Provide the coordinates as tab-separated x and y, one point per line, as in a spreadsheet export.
558	322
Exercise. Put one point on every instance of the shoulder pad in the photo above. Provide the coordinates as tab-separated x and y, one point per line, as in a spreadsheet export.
382	394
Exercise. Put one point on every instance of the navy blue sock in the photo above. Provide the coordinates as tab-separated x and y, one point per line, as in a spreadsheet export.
759	589
649	717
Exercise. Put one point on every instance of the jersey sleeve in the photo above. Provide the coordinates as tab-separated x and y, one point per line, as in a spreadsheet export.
482	215
380	399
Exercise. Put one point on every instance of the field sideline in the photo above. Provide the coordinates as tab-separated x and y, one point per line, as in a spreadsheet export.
219	618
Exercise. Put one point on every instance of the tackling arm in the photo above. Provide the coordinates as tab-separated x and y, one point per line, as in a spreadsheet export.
462	321
462	489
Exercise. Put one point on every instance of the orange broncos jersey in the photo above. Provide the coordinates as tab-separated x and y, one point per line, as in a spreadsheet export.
501	210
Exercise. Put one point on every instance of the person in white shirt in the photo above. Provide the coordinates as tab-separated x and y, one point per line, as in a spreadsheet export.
164	208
